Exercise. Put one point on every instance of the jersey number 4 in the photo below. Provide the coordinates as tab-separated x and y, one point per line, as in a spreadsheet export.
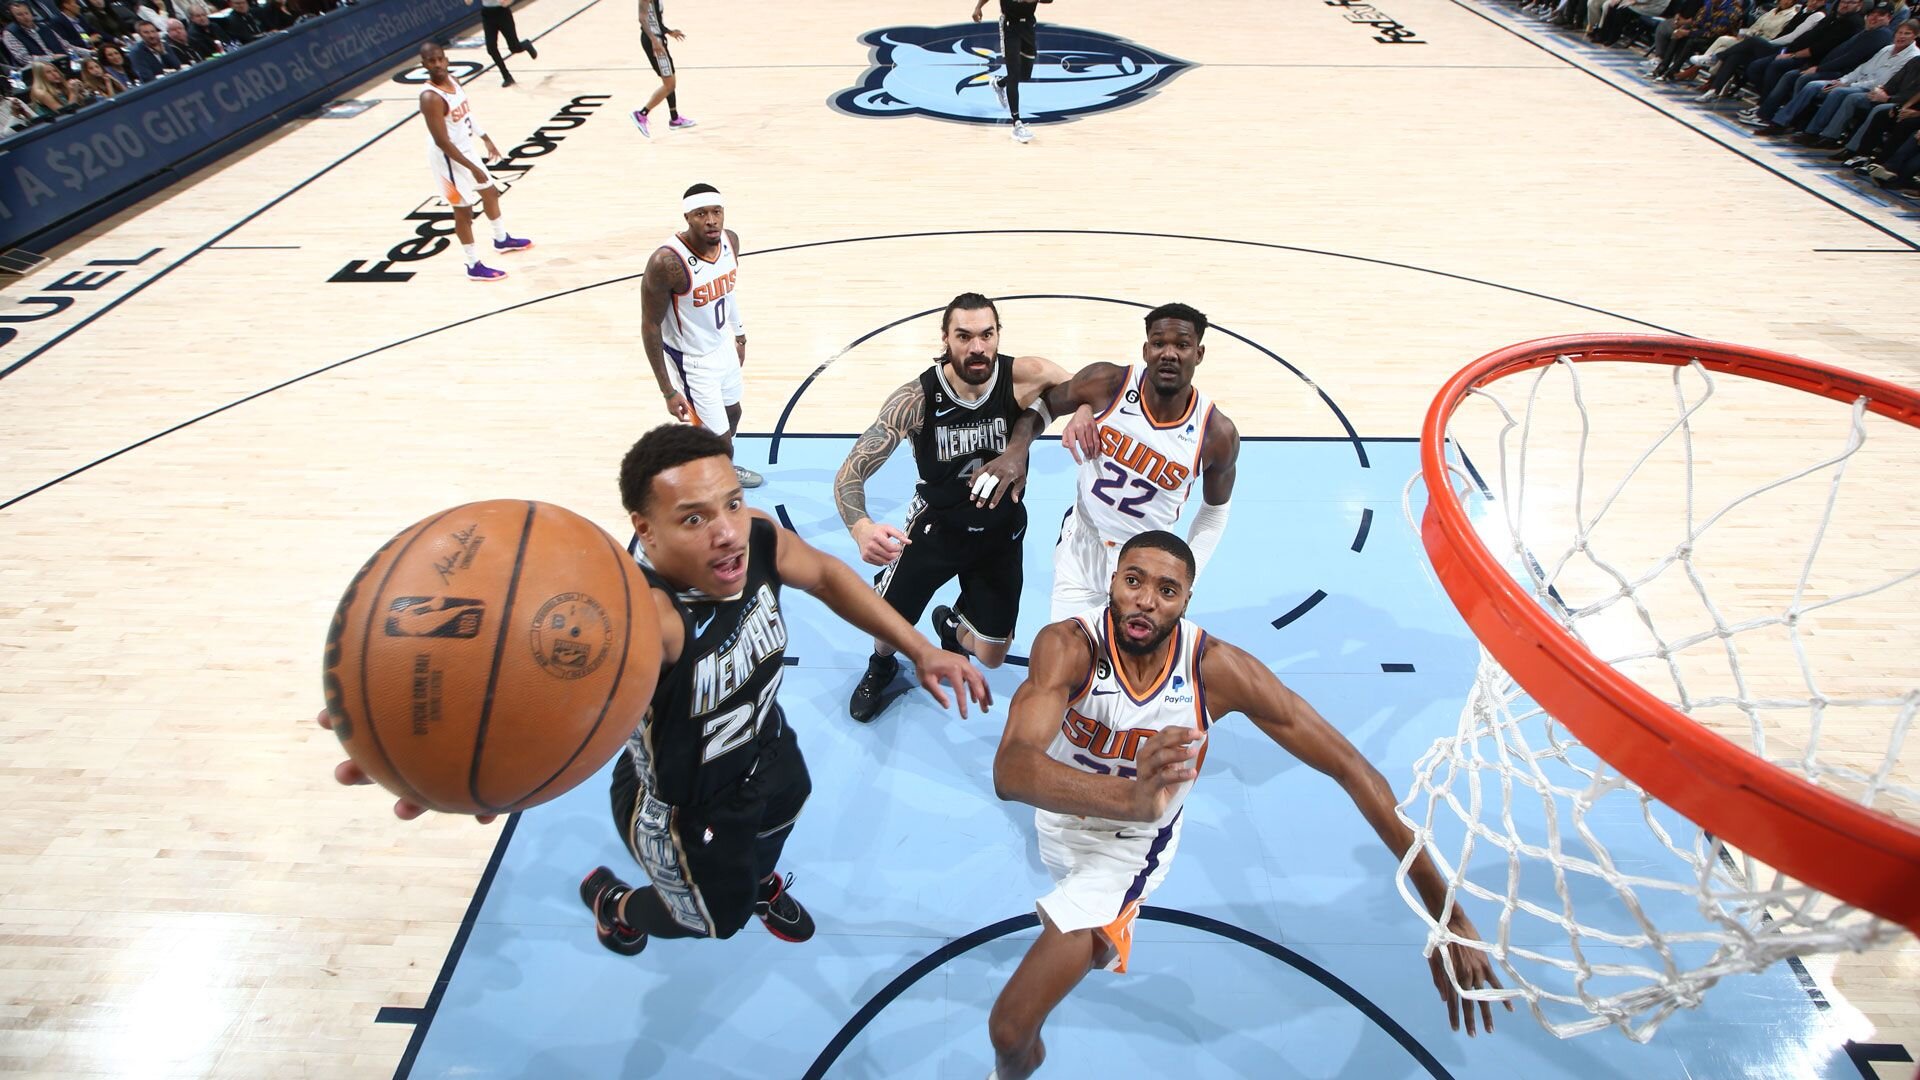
1116	476
731	729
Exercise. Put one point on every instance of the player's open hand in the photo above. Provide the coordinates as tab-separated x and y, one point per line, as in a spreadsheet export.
940	666
1474	971
676	35
1169	759
1081	436
352	775
880	543
1003	477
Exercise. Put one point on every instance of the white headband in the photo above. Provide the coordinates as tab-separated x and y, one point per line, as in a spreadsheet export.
700	200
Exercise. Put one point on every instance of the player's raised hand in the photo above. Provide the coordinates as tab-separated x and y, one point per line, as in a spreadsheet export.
1003	477
352	775
1474	971
1081	436
880	543
1168	760
938	666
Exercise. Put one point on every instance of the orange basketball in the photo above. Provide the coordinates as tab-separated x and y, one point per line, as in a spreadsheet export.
491	657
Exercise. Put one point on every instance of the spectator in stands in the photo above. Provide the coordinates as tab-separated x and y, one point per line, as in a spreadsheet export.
1807	52
1625	19
26	42
275	15
1886	124
1790	94
181	42
114	60
201	31
1677	22
94	81
1716	18
1839	101
71	28
1901	166
109	18
1769	25
240	26
52	92
153	57
14	114
1734	62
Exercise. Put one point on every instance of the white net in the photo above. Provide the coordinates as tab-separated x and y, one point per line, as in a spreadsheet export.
1716	557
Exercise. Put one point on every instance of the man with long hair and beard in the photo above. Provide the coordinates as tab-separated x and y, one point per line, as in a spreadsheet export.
962	521
1107	768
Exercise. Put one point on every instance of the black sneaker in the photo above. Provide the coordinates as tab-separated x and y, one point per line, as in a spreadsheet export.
531	51
602	893
947	625
784	916
870	696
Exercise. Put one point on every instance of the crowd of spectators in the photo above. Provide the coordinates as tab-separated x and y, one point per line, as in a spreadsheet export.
59	56
1836	75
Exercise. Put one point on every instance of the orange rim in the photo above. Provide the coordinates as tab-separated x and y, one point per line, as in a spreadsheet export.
1860	855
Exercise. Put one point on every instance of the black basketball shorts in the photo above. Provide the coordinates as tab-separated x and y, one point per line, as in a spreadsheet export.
987	563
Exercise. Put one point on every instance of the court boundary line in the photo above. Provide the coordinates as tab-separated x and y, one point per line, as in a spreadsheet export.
35	354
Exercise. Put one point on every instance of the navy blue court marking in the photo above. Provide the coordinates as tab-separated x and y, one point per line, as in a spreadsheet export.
968	942
773	451
1474	9
1396	668
1861	1054
396	1014
780	511
1300	609
766	251
1366	525
423	1017
236	227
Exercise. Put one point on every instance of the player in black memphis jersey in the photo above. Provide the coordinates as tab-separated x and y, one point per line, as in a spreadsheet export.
706	791
1019	31
962	521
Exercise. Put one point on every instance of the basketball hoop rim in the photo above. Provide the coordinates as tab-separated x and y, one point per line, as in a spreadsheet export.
1859	855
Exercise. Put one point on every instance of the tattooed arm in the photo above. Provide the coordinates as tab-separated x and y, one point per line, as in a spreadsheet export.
900	418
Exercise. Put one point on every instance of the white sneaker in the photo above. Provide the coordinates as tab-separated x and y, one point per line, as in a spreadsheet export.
1022	133
748	478
1711	95
1699	60
1000	91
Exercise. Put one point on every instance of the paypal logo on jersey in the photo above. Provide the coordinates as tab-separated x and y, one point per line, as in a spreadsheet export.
948	71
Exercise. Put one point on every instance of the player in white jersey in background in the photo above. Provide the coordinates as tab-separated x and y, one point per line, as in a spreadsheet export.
454	159
1143	433
688	311
1105	738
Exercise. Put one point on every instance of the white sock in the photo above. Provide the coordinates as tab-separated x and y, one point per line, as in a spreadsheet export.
472	254
499	227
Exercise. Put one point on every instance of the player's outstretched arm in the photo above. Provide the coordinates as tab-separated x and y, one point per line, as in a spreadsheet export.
1006	476
663	278
1236	682
900	418
1091	388
1059	668
834	584
1221	456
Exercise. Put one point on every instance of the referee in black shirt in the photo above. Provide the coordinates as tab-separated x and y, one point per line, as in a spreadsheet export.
1018	21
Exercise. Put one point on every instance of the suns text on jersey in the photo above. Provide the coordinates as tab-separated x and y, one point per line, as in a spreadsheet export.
1141	459
761	634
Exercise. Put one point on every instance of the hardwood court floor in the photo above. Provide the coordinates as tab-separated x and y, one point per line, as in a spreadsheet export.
183	891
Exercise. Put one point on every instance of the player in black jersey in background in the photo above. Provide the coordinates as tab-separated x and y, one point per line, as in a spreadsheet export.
1019	26
707	790
961	522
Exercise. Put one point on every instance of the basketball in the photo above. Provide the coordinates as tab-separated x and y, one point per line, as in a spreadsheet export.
491	657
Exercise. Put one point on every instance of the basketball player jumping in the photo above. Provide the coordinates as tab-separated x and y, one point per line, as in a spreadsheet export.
653	40
957	415
1105	738
1019	29
688	309
1153	433
455	162
707	790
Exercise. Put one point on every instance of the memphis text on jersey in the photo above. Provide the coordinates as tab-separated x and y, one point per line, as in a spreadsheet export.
761	634
1141	459
960	440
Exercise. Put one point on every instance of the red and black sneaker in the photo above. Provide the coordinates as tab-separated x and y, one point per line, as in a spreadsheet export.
784	916
602	893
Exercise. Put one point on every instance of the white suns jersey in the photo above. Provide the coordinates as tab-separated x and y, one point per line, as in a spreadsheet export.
696	324
1145	469
1108	723
460	127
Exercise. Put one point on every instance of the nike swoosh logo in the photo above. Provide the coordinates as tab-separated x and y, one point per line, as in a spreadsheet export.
700	625
1097	693
1124	411
943	412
